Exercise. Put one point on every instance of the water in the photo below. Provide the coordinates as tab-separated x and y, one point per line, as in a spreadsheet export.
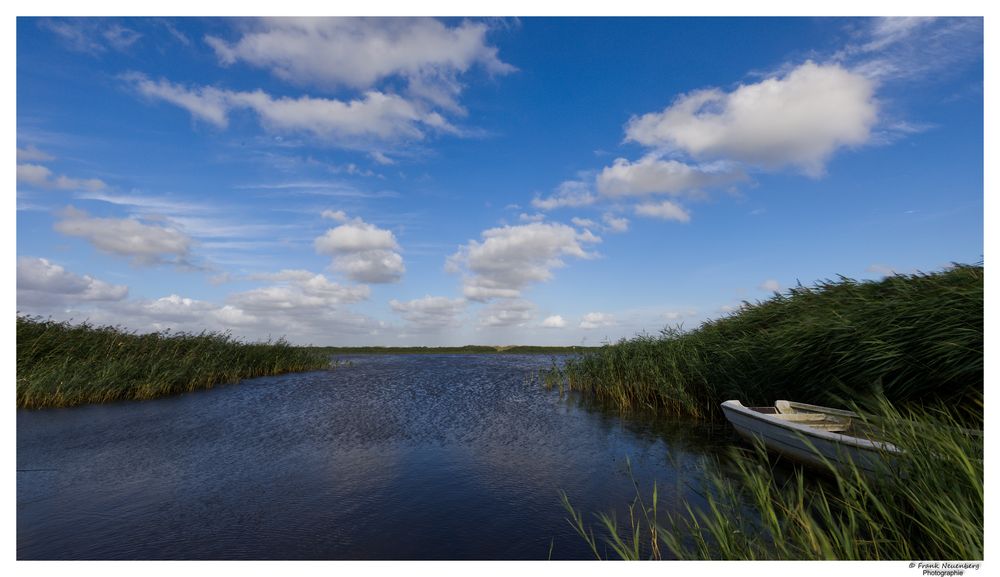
392	457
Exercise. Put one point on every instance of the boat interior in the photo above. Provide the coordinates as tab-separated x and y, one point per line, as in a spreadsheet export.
826	421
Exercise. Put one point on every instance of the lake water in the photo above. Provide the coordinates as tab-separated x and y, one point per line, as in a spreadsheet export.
392	457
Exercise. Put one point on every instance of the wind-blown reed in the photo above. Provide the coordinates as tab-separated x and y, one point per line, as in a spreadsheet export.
59	364
926	503
912	338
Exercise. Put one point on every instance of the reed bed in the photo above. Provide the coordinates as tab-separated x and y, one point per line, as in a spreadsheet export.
911	338
60	365
925	504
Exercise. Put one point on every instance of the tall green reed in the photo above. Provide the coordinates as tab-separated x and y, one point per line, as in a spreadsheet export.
924	504
912	338
60	364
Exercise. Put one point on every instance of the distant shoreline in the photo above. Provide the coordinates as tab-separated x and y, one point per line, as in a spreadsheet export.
463	350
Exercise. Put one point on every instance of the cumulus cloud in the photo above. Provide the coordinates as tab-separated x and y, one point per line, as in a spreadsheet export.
41	284
510	258
507	313
770	285
429	312
596	320
572	193
796	120
665	210
298	290
652	175
360	53
554	322
362	251
40	176
376	116
144	243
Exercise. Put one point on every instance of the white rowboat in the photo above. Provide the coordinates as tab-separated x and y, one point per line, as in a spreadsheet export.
810	434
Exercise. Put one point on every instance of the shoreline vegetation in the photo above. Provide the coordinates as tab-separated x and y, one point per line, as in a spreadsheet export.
912	339
907	351
63	365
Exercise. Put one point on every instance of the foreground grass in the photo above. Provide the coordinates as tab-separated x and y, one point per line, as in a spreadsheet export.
926	504
910	338
61	365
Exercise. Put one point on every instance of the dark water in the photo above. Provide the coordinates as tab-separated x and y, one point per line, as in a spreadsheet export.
394	457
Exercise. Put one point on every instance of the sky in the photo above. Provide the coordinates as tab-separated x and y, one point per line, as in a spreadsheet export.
454	181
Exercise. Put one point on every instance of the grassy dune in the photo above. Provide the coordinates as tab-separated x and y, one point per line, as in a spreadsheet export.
61	365
910	338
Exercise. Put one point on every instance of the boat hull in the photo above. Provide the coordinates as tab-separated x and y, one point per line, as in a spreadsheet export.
802	443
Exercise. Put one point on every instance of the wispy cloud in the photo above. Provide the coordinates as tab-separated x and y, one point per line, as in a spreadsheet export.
41	177
93	36
913	49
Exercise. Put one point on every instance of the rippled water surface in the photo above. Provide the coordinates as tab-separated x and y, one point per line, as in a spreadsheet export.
392	457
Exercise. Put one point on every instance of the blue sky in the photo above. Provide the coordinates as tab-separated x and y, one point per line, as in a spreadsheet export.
453	181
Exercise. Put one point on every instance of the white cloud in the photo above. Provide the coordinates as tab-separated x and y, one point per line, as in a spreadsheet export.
571	193
42	284
665	209
360	53
91	35
554	322
798	120
652	175
376	116
337	215
525	217
363	252
298	290
615	223
144	243
32	154
42	177
206	103
677	315
512	257
611	223
507	313
770	285
913	48
596	320
429	312
305	306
